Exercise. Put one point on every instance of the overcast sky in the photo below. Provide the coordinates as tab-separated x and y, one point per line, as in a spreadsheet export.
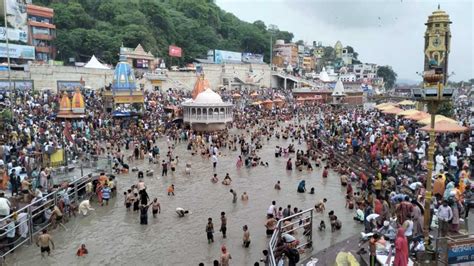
385	32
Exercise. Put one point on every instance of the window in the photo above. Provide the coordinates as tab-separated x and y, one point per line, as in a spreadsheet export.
437	25
37	30
41	57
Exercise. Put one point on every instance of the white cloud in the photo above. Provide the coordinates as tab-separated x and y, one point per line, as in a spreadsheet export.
386	32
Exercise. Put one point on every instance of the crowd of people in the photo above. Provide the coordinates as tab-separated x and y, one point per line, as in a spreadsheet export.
381	160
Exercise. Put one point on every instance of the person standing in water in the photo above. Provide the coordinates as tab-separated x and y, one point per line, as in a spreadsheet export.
223	224
144	213
234	194
210	231
277	185
155	207
246	237
43	242
171	190
164	166
225	257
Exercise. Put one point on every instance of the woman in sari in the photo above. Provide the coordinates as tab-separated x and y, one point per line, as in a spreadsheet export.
401	248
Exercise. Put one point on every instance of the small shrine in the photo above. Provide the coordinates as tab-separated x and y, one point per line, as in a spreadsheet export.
206	111
339	94
74	108
124	99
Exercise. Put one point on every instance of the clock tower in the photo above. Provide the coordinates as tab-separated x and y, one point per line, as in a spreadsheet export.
438	43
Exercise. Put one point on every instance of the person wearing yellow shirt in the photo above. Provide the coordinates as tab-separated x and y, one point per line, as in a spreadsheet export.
378	185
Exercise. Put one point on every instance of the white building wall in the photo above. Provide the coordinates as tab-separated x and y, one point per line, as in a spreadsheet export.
45	77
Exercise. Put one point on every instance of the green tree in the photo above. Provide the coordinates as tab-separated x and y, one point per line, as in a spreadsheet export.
389	76
86	27
446	109
260	25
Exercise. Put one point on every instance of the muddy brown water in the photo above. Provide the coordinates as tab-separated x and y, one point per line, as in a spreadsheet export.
115	236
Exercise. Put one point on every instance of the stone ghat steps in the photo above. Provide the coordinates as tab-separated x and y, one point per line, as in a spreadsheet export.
358	164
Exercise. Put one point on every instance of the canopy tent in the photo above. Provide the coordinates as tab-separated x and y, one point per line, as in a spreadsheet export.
427	121
384	104
385	107
409	112
407	102
236	95
444	126
254	94
418	116
94	63
392	111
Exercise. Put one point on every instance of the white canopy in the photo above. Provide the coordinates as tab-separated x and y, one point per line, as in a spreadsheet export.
94	63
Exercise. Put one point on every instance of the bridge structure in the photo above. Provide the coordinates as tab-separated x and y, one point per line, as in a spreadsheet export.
290	81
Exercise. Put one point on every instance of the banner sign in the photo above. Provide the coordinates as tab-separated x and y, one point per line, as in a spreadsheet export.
17	51
21	85
174	51
16	20
24	85
461	251
221	56
252	58
129	99
68	86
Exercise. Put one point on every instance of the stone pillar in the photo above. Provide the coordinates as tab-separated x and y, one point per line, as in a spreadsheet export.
284	83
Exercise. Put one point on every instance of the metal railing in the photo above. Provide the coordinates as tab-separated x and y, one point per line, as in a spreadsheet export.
31	219
302	220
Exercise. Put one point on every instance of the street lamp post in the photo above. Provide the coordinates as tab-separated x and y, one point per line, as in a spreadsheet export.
433	93
272	29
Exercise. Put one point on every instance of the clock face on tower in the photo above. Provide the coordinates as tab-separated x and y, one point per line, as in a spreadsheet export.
436	42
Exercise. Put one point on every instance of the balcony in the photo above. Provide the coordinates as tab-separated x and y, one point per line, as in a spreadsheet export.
46	37
41	24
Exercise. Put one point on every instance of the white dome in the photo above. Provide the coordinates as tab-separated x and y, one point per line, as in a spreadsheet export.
208	97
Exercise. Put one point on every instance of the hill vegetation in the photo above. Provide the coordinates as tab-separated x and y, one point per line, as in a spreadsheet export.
100	27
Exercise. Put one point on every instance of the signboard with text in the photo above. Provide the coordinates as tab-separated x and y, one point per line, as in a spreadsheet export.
17	51
252	58
221	56
461	251
175	51
16	20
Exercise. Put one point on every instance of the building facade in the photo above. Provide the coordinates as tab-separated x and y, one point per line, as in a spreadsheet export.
285	54
365	71
308	63
42	31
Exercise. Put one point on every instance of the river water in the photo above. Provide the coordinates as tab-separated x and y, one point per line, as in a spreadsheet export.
115	237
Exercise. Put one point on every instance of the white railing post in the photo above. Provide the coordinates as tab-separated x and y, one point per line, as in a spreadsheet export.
30	224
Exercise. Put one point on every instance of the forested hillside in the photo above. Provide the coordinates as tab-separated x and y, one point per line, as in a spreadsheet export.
87	27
